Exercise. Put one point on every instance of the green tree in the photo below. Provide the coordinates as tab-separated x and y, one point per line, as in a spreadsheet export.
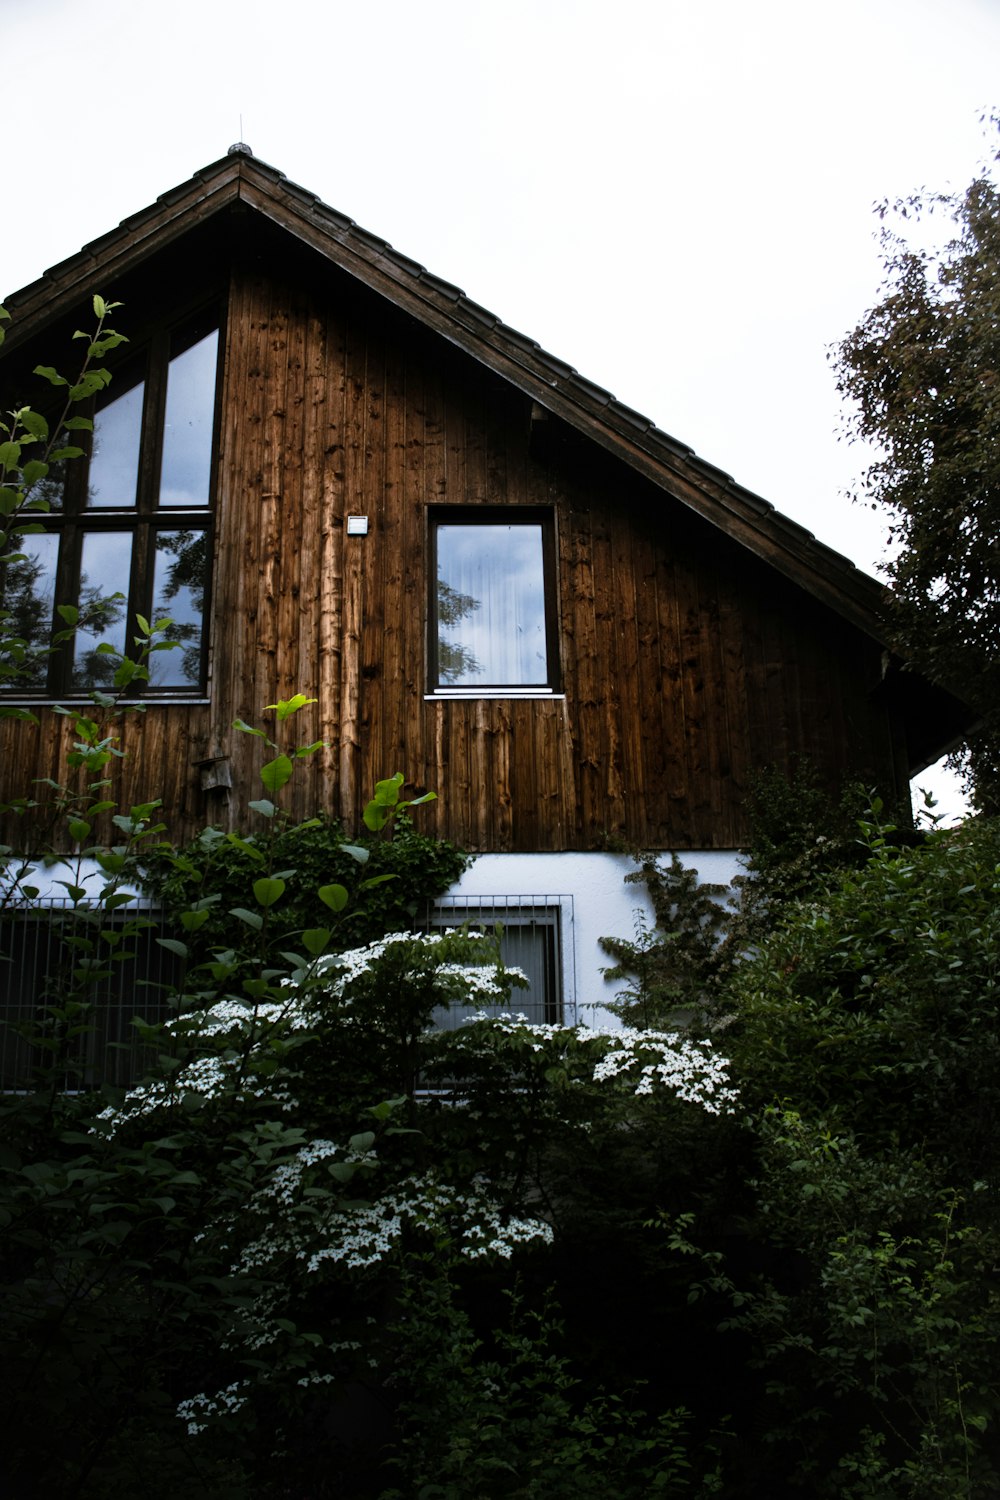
922	370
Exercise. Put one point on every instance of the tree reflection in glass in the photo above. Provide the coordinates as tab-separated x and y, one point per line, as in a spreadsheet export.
105	568
27	593
490	605
179	592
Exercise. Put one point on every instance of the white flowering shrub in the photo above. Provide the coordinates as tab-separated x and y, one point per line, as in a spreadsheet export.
317	1202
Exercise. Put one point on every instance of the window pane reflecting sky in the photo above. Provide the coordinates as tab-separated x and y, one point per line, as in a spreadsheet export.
187	431
114	467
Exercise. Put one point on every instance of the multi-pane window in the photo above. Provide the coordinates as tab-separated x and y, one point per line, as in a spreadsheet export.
493	601
128	528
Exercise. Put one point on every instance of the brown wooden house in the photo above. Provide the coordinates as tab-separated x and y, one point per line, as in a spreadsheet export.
344	477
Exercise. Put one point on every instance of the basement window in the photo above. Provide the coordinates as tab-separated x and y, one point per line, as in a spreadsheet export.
492	602
530	930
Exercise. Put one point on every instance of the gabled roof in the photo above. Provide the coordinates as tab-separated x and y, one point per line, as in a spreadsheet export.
240	178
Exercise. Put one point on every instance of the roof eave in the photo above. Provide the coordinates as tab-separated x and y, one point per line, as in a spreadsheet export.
555	385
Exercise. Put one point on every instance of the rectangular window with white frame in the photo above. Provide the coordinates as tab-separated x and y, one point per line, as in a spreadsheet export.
493	602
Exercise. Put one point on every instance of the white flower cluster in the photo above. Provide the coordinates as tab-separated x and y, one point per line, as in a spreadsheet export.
471	1221
481	983
286	1180
230	1015
210	1077
223	1404
689	1068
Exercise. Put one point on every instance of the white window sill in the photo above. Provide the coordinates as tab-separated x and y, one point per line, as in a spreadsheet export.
457	694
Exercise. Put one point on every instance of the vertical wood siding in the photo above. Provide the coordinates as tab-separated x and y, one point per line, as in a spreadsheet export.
686	663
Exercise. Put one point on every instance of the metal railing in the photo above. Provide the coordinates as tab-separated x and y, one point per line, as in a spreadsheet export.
70	987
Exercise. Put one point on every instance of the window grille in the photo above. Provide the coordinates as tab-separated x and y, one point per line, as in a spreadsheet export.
36	973
535	937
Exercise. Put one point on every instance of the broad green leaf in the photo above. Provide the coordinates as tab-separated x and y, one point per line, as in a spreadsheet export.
33	471
10	455
334	896
274	773
192	920
376	817
35	423
387	792
315	939
268	891
266	808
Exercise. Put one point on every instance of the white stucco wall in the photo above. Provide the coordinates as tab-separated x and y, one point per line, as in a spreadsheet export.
602	906
50	881
595	903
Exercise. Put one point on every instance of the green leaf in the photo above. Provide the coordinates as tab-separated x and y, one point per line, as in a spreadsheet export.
247	848
10	455
100	307
387	792
268	891
51	375
78	830
33	471
264	807
192	920
274	773
34	422
356	852
285	707
174	945
315	939
251	918
246	728
333	896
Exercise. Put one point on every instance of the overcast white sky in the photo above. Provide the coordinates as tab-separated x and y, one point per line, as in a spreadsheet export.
676	197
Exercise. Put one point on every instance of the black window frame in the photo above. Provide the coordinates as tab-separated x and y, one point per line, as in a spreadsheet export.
147	359
493	515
